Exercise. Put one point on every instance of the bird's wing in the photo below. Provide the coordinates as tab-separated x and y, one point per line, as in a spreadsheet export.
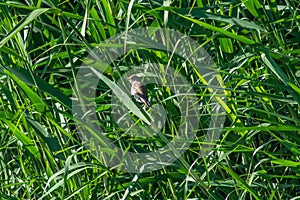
140	90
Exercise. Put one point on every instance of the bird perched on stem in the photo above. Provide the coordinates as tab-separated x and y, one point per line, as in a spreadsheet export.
138	90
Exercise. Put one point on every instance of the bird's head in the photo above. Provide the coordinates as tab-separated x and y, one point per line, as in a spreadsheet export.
132	78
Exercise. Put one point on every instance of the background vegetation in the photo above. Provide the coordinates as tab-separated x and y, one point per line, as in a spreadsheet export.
255	45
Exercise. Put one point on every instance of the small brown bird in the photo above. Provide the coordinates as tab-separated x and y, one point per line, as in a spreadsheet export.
138	90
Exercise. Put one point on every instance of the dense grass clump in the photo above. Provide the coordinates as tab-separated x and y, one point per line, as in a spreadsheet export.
44	44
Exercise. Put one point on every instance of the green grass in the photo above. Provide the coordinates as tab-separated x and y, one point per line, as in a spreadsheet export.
255	45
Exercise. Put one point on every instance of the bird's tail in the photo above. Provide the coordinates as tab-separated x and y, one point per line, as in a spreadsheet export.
146	102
